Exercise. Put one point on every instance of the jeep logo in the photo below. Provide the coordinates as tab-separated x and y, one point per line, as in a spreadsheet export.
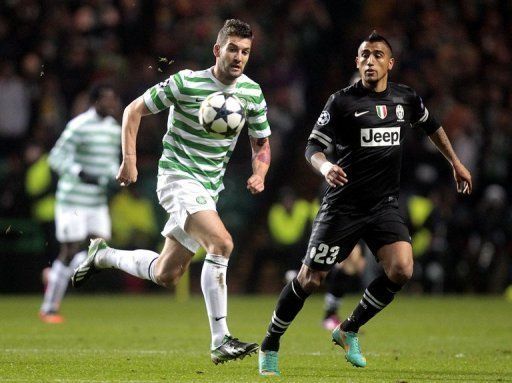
380	136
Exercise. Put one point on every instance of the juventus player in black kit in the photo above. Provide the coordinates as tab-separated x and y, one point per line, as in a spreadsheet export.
364	125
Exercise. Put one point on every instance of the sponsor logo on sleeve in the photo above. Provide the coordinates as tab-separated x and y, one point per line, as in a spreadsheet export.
380	136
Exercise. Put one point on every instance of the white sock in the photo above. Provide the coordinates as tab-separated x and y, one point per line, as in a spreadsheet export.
77	259
139	263
58	280
215	291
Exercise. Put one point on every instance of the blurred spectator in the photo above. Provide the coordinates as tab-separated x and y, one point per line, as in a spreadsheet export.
14	108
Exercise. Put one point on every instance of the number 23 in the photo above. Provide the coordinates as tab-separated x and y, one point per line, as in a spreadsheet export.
322	255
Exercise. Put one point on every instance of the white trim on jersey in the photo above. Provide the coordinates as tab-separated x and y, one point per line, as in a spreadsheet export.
425	116
316	136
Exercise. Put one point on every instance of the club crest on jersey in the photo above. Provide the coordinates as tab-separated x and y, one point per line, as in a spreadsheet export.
201	200
380	136
324	118
400	113
382	111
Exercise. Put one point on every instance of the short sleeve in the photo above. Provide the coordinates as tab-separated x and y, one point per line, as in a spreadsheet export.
257	122
164	94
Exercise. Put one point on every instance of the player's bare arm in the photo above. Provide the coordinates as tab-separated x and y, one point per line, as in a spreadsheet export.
131	120
333	174
260	164
460	173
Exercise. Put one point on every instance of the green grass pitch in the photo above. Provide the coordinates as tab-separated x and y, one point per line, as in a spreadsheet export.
153	338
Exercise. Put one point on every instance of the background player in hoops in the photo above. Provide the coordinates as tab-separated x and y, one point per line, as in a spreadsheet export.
364	125
86	157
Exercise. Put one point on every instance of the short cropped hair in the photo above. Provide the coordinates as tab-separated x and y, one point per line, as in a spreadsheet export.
374	37
97	90
234	27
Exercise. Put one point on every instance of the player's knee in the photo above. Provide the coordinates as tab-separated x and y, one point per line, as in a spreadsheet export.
310	281
221	246
401	272
168	278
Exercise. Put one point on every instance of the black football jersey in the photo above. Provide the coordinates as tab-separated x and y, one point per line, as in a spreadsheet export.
364	131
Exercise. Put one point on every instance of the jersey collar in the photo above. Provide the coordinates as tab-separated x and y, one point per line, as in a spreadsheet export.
368	92
223	87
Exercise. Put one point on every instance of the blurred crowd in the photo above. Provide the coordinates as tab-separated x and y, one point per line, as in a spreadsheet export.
456	54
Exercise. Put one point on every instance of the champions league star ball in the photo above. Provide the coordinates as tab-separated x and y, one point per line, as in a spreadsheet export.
222	115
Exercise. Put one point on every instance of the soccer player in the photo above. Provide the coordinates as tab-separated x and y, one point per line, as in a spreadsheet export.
365	124
190	174
86	157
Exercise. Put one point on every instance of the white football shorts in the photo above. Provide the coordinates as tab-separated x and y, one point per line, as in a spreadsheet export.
181	198
76	223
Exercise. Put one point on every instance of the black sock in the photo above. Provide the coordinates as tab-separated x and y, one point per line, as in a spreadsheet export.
289	304
377	295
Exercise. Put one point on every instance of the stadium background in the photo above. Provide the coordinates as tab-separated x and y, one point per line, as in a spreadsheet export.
456	54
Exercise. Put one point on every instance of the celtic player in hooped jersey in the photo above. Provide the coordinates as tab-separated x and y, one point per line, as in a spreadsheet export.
86	157
189	151
364	127
190	174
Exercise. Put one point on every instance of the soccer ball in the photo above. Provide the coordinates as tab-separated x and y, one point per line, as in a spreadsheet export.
222	115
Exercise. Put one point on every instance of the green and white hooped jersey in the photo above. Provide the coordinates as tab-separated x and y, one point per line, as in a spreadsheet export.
91	143
188	150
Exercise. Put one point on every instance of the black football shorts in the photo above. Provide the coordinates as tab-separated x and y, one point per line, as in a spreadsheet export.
336	231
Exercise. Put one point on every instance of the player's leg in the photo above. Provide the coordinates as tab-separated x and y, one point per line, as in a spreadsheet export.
335	290
336	285
71	231
323	252
138	263
388	238
290	302
396	259
207	228
58	280
173	262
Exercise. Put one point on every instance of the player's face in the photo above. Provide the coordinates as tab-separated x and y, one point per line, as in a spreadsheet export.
108	103
232	57
374	61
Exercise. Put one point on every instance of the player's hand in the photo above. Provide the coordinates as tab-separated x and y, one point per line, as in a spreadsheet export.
127	171
256	184
462	178
335	176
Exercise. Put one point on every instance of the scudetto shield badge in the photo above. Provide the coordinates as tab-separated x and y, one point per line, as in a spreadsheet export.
382	111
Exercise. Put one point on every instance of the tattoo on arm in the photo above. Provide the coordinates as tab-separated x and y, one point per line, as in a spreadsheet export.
262	150
264	157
